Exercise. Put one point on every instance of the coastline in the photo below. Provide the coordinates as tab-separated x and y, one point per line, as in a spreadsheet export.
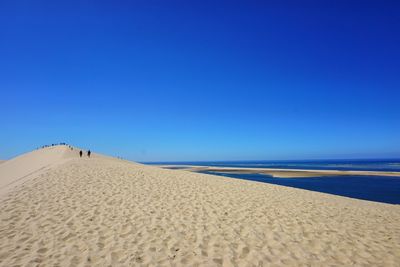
278	173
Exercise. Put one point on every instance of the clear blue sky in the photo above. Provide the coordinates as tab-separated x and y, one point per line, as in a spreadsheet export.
178	80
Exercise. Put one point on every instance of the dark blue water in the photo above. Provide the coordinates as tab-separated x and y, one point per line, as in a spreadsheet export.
359	165
373	188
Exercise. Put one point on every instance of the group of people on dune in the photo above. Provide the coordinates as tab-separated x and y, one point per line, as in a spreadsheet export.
65	144
57	144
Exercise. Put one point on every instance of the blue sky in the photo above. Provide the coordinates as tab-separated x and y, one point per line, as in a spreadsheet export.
177	80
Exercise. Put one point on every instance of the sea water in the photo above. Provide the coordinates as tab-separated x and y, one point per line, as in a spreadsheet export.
374	188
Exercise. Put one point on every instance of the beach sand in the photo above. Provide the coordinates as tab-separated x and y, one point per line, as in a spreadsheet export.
108	212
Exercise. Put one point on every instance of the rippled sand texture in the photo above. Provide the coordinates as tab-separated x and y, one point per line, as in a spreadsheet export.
108	212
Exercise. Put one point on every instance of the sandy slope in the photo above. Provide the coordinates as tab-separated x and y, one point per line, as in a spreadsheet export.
108	212
21	168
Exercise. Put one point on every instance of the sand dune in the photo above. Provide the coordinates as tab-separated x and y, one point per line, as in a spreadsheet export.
107	212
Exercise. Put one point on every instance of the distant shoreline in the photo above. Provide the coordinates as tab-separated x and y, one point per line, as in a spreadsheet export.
333	160
279	173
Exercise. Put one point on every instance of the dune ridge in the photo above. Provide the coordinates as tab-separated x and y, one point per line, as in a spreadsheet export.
108	212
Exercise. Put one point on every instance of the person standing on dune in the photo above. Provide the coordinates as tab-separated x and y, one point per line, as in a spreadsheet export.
88	153
80	153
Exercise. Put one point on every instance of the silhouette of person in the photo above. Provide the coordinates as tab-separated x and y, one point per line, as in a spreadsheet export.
80	153
88	153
